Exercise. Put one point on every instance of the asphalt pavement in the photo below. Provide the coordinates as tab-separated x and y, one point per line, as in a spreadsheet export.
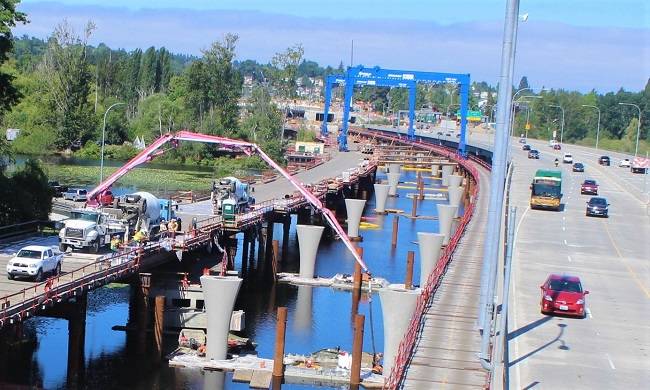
610	348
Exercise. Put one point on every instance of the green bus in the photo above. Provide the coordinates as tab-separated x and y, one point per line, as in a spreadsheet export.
546	190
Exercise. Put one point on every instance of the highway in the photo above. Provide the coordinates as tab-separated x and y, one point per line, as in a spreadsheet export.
610	348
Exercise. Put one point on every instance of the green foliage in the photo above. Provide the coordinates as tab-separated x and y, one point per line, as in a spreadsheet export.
306	135
285	70
263	123
25	195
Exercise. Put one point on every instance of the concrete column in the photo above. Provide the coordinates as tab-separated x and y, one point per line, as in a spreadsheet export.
397	307
219	293
429	244
455	195
455	180
393	180
394	168
76	339
445	218
381	194
434	170
447	170
354	208
308	240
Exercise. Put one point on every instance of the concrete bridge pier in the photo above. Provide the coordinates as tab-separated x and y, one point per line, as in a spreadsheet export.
354	208
219	293
435	168
286	227
304	216
447	170
308	239
455	195
303	318
445	218
455	180
429	245
248	233
393	181
381	195
397	307
75	312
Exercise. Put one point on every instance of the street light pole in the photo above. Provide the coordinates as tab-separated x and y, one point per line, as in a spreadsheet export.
101	164
562	128
638	126
598	129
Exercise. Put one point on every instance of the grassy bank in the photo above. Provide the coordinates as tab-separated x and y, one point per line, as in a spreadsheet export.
616	145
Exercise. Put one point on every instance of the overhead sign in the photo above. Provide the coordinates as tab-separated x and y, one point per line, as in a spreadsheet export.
471	114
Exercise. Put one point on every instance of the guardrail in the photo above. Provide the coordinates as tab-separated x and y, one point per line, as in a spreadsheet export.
407	345
24	227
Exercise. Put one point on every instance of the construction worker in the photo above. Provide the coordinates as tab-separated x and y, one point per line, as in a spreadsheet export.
172	227
115	243
163	228
140	236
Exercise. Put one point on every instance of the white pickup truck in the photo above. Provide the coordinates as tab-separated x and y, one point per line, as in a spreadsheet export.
34	261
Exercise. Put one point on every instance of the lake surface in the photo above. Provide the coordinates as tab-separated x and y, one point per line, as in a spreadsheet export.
317	317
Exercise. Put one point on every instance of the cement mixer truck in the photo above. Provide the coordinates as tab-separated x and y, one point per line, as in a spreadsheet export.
230	197
92	228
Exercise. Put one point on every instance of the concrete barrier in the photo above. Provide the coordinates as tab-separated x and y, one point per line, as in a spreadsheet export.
219	293
397	307
447	170
445	218
381	195
354	208
429	244
455	180
434	170
455	195
393	180
308	240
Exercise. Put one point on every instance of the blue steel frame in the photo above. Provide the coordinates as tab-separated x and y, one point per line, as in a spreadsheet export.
360	75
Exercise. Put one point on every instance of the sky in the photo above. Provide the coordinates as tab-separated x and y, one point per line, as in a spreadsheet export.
578	44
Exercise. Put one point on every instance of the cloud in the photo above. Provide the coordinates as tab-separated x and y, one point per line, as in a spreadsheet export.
550	54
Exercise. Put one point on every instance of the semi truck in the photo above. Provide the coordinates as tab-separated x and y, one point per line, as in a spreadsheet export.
546	190
230	197
92	228
640	165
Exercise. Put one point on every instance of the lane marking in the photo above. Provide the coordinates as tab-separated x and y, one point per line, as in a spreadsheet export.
514	298
565	242
629	269
588	311
611	363
564	228
568	257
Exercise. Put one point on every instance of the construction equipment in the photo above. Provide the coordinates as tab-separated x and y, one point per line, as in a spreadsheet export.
230	197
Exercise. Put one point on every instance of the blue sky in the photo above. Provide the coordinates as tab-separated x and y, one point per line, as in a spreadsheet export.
575	44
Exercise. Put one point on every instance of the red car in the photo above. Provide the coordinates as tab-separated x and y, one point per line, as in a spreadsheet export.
557	147
563	294
589	187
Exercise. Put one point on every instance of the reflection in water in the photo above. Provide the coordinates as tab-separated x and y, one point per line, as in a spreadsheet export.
319	317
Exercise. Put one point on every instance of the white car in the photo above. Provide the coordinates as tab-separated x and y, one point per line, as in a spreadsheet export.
568	158
35	261
75	194
625	163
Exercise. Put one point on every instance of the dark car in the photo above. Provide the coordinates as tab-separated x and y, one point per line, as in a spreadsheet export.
578	167
589	187
557	147
525	147
533	154
563	294
597	207
57	189
604	160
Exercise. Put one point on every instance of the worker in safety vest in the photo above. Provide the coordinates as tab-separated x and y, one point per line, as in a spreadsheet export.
163	228
140	236
172	227
115	243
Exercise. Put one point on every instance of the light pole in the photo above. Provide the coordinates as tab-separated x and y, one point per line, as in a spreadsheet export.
638	126
101	163
562	128
598	130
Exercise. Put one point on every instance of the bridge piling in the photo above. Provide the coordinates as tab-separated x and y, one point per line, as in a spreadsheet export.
75	312
408	280
280	333
142	311
159	324
395	229
357	350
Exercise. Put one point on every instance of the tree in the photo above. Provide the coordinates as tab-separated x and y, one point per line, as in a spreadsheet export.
148	73
67	75
263	123
9	95
523	83
286	70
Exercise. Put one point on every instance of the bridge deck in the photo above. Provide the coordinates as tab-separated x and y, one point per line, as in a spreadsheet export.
445	354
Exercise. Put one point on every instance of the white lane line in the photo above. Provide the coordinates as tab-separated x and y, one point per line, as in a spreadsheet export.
588	311
564	228
565	242
611	363
564	218
514	303
568	257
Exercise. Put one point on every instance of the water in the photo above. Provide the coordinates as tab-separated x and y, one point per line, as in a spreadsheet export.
317	317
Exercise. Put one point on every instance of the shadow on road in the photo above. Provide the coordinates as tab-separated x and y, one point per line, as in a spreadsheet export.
528	327
557	338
